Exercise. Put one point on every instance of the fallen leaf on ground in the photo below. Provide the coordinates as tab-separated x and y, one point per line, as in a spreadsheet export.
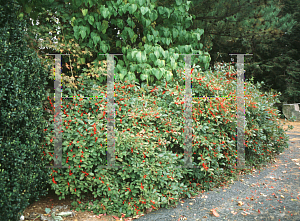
240	203
214	212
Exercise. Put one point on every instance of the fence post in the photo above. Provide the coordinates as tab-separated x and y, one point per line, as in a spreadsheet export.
57	114
240	111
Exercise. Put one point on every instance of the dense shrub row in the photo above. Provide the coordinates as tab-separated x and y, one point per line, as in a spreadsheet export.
149	129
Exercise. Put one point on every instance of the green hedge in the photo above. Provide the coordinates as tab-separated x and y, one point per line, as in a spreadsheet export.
23	175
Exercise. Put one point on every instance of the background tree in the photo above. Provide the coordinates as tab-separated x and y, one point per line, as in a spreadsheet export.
227	29
259	28
89	29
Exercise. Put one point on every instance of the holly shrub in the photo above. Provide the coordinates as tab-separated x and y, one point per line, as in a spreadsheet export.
149	133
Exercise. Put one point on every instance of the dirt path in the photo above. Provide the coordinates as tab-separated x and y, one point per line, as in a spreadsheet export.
271	193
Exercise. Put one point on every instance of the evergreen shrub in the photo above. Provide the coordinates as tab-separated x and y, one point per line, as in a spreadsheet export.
23	175
149	133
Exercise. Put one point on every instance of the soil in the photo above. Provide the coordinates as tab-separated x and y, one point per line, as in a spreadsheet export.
52	200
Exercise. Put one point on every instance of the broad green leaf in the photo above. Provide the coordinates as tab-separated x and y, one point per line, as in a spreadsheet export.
131	77
84	11
153	15
154	32
122	74
144	10
141	2
168	41
172	62
165	54
168	75
130	32
144	76
28	9
139	57
161	10
187	48
82	32
104	26
153	57
98	24
96	38
147	48
91	19
150	37
148	22
120	23
181	8
118	43
103	47
157	73
105	12
144	56
168	11
76	32
132	8
175	33
133	67
178	2
130	23
156	53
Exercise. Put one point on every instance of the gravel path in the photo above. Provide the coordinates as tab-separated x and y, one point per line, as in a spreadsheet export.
273	193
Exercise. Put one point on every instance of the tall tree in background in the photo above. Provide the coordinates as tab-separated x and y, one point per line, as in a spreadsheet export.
231	27
254	27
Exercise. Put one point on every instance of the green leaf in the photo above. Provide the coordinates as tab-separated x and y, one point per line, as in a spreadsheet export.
122	74
144	56
120	23
172	62
178	2
169	75
161	10
141	2
150	37
96	38
118	43
132	8
153	57
139	57
153	15
104	26
105	12
84	11
28	9
98	24
156	53
148	22
103	47
76	32
91	19
144	76
187	48
144	10
157	73
82	32
175	33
